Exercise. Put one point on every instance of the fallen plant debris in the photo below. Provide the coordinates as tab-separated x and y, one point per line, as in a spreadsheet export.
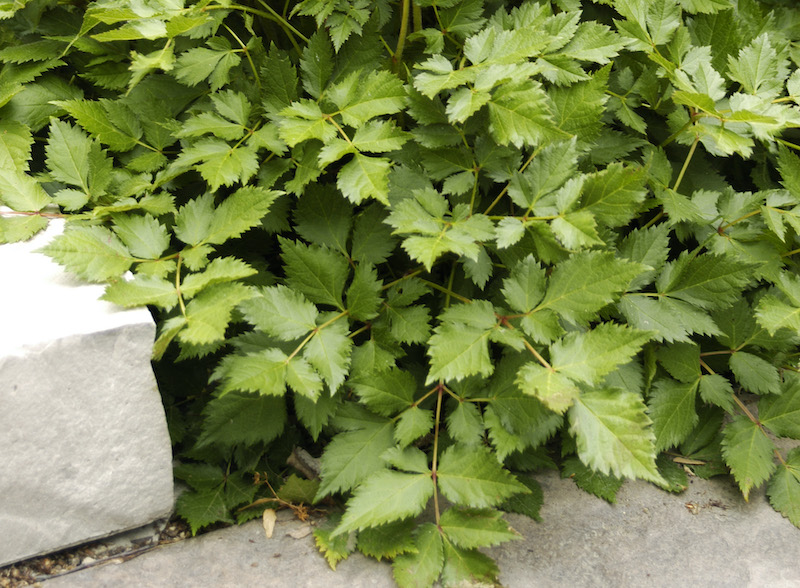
95	553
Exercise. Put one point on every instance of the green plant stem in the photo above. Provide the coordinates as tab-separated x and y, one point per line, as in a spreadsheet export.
313	333
178	286
408	276
246	54
686	161
401	37
435	462
724	228
505	190
416	12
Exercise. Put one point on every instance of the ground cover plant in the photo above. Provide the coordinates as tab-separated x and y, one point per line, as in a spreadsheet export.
440	244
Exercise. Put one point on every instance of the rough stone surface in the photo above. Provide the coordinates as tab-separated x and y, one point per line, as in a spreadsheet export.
84	448
706	536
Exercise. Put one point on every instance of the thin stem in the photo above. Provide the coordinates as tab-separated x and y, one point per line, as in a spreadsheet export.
405	277
178	286
416	12
724	228
538	356
522	169
246	54
474	193
314	332
686	163
282	21
401	37
435	464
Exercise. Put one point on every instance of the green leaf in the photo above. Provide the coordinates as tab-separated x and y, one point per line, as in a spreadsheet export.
143	235
779	413
717	390
421	569
584	283
707	281
201	509
363	295
314	414
409	459
410	324
384	497
663	18
590	356
525	287
754	373
315	271
220	270
748	453
526	504
372	239
460	348
757	68
329	352
316	64
353	456
550	169
613	434
219	163
242	419
141	291
593	42
209	313
413	424
386	393
21	192
577	109
97	118
15	145
667	319
20	228
198	64
193	220
323	217
556	391
519	114
613	195
464	423
304	120
334	548
471	476
68	154
92	252
263	372
389	541
281	312
365	177
603	486
672	409
465	567
470	528
361	98
298	490
784	488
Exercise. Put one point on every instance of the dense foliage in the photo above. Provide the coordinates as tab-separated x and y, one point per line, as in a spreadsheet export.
442	243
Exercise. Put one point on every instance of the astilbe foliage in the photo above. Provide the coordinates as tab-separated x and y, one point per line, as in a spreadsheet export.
443	242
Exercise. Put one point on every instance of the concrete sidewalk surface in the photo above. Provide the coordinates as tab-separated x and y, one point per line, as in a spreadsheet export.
705	536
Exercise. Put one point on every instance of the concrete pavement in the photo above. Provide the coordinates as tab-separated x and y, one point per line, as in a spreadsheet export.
706	536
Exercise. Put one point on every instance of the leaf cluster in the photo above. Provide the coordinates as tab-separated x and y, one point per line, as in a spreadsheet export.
444	244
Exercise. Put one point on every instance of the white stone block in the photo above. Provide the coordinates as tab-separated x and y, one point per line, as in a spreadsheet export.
84	447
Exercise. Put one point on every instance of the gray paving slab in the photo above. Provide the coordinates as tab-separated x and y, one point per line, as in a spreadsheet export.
706	536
